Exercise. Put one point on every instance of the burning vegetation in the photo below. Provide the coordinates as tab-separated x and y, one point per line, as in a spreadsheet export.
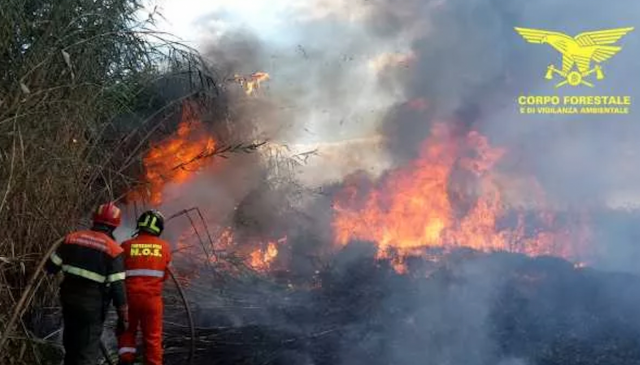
413	207
435	238
176	159
447	198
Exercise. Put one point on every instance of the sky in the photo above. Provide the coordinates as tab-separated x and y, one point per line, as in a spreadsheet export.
191	19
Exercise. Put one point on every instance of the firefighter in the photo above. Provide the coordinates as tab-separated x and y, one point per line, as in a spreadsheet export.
93	267
147	258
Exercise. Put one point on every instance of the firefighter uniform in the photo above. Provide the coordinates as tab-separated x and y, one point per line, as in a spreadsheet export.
146	259
94	274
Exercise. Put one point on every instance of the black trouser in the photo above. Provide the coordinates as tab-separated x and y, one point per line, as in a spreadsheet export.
83	323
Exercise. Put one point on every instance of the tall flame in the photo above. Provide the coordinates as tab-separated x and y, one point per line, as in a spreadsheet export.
422	205
412	207
174	159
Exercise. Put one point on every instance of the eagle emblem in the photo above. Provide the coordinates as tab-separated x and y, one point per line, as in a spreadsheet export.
577	52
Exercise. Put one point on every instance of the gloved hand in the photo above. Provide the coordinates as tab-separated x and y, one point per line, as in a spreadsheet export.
123	320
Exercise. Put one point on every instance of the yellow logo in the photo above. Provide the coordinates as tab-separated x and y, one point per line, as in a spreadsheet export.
577	52
146	249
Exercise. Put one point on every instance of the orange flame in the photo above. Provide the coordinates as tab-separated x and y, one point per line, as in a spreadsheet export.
195	252
412	209
252	82
174	159
261	259
414	215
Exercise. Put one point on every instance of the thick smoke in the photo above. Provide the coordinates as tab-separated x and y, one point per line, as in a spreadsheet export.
324	82
347	71
469	66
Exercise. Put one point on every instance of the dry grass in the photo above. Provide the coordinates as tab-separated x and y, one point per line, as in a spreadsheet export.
69	72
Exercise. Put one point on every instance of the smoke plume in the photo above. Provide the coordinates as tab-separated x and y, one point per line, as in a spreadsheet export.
343	71
362	83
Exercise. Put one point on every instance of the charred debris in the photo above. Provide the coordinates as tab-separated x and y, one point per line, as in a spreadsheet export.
465	308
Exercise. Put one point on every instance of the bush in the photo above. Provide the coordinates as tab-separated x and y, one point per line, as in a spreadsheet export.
76	102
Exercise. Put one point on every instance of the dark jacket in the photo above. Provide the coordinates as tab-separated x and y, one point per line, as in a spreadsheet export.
93	265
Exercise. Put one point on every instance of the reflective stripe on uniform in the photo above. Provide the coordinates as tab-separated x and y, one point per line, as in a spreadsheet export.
83	273
127	350
57	260
145	272
115	277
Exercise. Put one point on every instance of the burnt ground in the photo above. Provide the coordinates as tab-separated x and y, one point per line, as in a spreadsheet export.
468	308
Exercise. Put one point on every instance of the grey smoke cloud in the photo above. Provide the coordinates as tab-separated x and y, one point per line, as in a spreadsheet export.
345	71
323	79
463	58
471	65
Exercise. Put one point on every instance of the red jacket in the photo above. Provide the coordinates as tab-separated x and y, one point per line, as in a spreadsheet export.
146	259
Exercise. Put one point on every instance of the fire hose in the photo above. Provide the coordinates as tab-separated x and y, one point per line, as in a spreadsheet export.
192	330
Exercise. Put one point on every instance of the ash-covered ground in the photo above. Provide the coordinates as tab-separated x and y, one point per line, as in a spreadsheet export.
466	308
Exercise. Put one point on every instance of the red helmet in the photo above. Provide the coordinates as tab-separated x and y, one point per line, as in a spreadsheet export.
107	214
